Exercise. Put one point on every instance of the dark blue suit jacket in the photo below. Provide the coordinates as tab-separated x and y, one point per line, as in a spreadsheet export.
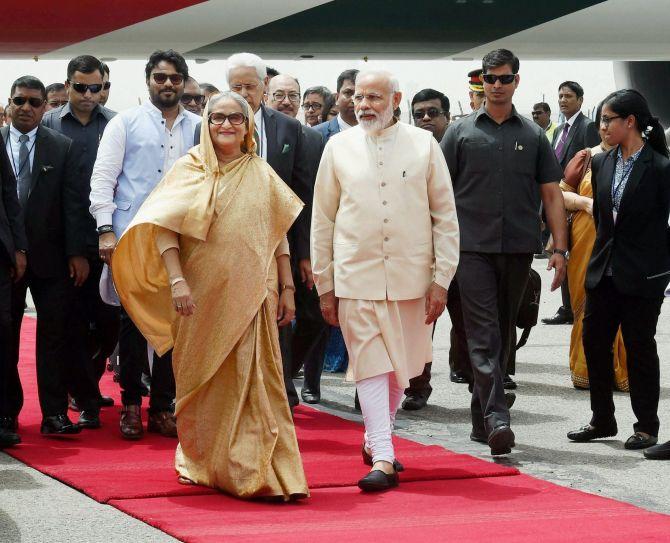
328	129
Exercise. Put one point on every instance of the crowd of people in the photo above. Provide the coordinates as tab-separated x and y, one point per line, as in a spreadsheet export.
221	245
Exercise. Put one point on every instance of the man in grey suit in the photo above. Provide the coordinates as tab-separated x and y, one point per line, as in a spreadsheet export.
576	133
346	118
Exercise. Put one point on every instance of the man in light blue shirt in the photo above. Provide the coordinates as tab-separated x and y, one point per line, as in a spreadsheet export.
137	149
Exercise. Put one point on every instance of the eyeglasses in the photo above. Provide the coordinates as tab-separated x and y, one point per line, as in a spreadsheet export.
34	102
81	88
432	112
217	119
249	87
188	98
605	121
175	79
293	97
315	106
106	85
505	79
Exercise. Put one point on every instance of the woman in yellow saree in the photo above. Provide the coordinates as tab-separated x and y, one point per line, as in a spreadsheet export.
199	270
578	196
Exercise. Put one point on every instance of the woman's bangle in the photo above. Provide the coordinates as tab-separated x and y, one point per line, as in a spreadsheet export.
288	287
176	280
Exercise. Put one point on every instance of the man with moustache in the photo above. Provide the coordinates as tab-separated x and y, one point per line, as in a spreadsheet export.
138	147
346	118
95	331
312	104
306	343
496	156
56	96
542	117
193	99
52	194
385	248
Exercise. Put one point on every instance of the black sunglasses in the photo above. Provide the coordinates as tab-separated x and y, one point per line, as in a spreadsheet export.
218	119
175	79
432	112
199	99
505	79
34	102
106	85
81	88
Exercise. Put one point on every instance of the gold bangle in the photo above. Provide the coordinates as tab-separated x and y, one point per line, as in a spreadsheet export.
288	287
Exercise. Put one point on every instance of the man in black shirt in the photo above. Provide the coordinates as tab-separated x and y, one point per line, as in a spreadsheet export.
502	166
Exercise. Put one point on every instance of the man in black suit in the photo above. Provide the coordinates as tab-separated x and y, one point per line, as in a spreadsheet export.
13	246
576	133
307	344
52	194
280	141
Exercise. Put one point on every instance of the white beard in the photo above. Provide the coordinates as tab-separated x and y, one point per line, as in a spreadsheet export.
378	123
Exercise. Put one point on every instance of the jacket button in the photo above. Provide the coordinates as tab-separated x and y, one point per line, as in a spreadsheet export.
159	171
383	183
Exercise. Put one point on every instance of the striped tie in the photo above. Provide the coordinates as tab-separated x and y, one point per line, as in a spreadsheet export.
24	170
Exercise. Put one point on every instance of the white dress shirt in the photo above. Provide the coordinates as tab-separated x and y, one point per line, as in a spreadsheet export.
343	124
262	136
13	147
569	122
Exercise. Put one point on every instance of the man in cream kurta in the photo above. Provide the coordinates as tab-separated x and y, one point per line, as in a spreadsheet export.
385	247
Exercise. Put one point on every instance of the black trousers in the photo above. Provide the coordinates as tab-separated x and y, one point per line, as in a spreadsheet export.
607	309
6	369
133	355
285	346
98	326
491	288
57	369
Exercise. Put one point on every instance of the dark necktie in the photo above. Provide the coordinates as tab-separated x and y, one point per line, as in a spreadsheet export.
24	170
257	139
561	142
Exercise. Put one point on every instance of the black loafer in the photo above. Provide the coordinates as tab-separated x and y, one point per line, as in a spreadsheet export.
414	403
456	376
510	398
106	401
501	440
367	460
58	425
377	481
310	397
638	441
89	420
8	423
562	316
588	432
508	383
8	438
658	452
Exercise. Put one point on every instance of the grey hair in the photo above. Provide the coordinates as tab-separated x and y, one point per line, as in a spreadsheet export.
394	84
215	98
246	60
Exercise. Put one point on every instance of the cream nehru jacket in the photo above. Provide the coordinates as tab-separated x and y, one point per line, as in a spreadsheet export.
384	221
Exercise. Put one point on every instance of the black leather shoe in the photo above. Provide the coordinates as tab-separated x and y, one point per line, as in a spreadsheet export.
89	419
8	439
509	383
58	425
106	401
310	397
501	440
588	432
457	377
73	405
10	424
562	316
367	460
639	441
414	403
479	437
658	452
510	398
377	480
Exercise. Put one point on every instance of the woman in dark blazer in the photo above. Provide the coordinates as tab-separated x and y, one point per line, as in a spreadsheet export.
629	267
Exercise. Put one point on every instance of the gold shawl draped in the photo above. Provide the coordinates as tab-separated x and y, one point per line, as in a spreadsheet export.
233	419
582	236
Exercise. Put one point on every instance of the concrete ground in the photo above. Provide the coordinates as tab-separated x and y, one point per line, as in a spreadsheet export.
36	508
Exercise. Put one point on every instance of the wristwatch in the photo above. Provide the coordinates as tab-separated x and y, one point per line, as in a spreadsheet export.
105	229
564	254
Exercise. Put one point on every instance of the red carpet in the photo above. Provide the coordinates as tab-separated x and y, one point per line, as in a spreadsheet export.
444	496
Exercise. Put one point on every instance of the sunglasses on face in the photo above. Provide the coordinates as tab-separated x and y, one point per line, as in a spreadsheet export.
505	79
217	119
34	102
432	112
175	79
106	85
81	88
186	99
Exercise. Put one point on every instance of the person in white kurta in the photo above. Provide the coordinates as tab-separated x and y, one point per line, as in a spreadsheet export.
385	246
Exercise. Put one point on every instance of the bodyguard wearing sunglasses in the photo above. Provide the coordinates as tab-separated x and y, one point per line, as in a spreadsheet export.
502	166
193	99
96	330
53	197
137	149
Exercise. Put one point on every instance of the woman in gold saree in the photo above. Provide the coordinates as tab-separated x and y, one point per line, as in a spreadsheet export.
578	196
200	270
